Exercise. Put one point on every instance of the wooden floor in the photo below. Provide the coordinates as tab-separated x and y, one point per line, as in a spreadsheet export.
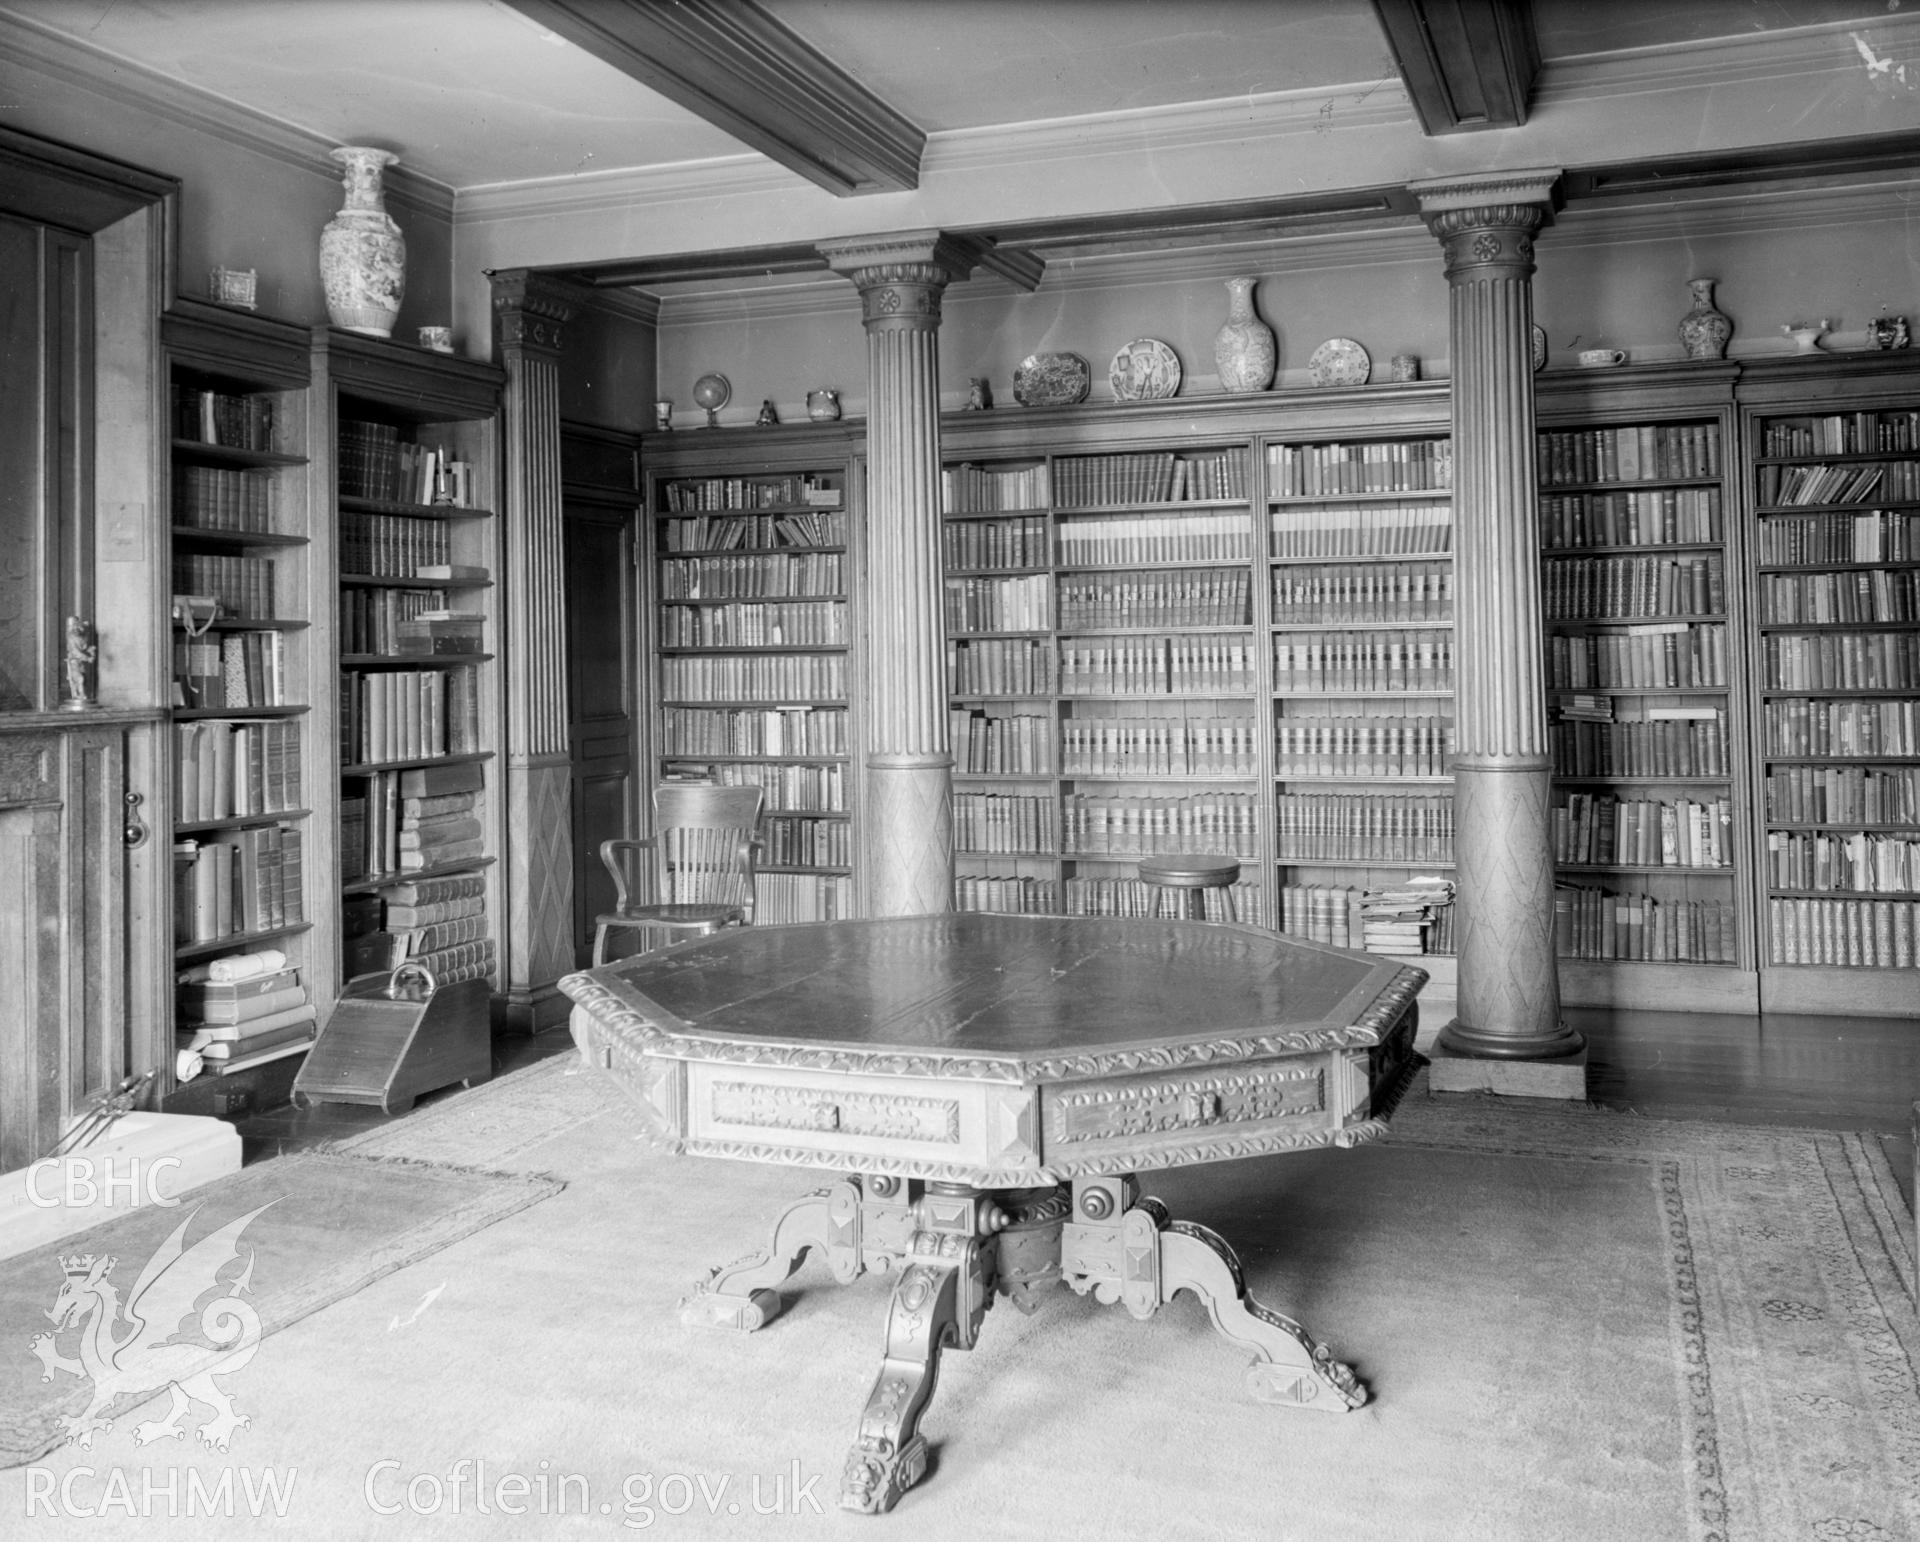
1835	1073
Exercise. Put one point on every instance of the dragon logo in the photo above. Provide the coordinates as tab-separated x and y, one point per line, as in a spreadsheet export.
143	1349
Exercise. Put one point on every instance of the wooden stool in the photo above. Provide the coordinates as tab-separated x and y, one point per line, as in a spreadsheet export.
1180	879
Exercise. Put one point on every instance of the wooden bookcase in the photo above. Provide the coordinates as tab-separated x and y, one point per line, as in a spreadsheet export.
245	794
1834	564
413	632
1640	591
752	557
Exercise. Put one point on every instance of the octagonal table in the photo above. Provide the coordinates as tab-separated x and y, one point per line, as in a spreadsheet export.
986	1089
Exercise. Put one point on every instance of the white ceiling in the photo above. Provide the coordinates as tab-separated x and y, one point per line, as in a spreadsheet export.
473	94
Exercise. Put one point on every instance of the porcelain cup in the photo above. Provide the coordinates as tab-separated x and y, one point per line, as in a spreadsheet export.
1599	358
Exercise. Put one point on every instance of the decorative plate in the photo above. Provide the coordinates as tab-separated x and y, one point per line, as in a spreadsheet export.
1146	370
1539	347
1339	361
1051	380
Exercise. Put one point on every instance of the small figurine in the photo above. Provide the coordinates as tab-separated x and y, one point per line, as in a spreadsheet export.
81	653
979	394
768	417
1889	332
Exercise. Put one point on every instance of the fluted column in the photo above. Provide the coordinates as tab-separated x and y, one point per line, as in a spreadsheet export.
529	313
1509	990
907	811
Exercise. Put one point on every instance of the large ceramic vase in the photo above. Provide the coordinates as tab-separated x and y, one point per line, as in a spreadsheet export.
1243	348
363	256
1704	331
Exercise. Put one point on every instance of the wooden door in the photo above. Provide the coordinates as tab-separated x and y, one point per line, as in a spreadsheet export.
602	699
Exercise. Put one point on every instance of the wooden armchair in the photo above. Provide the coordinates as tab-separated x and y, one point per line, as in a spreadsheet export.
702	861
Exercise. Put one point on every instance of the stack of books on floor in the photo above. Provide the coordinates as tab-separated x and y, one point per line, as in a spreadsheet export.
1397	921
243	1010
441	923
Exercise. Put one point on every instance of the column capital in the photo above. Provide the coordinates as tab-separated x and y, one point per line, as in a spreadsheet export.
1486	221
901	276
531	309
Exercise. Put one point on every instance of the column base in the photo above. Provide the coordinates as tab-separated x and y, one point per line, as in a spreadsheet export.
1563	1076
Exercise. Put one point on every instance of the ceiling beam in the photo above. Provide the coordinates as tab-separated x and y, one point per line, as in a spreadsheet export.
741	70
1467	64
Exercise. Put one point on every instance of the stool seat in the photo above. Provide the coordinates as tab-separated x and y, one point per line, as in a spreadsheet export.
1182	876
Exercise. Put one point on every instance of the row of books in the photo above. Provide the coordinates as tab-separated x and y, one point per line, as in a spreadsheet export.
394	546
1658	748
1363	591
804	491
1600	924
1362	827
790	575
997	604
970	489
1846	661
1601	830
1802	726
406	821
1397	921
1019	666
748	624
230	669
1321	913
755	731
1857	861
1157	666
1629	588
408	714
1893	481
1007	896
745	677
233	421
371	619
233	1024
1183	746
237	882
223	498
241	586
817	789
235	770
1635	452
1188	597
1002	822
376	464
1652	655
741	532
1101	481
996	543
1212	536
1857	934
1842	433
1879	535
1320	470
1363	530
1362	746
1880	594
786	899
1335	663
1131	897
983	744
1667	516
1224	824
1870	795
793	842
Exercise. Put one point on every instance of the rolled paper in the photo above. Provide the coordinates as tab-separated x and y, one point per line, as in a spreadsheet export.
244	966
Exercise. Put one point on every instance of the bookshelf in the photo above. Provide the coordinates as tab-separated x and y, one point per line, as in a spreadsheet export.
252	971
413	631
1359	573
1834	553
752	563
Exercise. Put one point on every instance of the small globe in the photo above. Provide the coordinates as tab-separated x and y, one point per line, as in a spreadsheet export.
712	392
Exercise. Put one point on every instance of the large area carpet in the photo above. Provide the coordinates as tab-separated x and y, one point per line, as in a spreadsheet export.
1575	1325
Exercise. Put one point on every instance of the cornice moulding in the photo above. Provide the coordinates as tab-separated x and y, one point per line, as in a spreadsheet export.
64	59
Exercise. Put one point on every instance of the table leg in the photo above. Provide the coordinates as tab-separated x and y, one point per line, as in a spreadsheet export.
889	1454
740	1295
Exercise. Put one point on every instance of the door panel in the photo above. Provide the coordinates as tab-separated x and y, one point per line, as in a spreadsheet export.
600	665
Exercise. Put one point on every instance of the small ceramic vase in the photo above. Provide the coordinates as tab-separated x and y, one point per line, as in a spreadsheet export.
823	404
1704	331
363	256
1806	337
1243	349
